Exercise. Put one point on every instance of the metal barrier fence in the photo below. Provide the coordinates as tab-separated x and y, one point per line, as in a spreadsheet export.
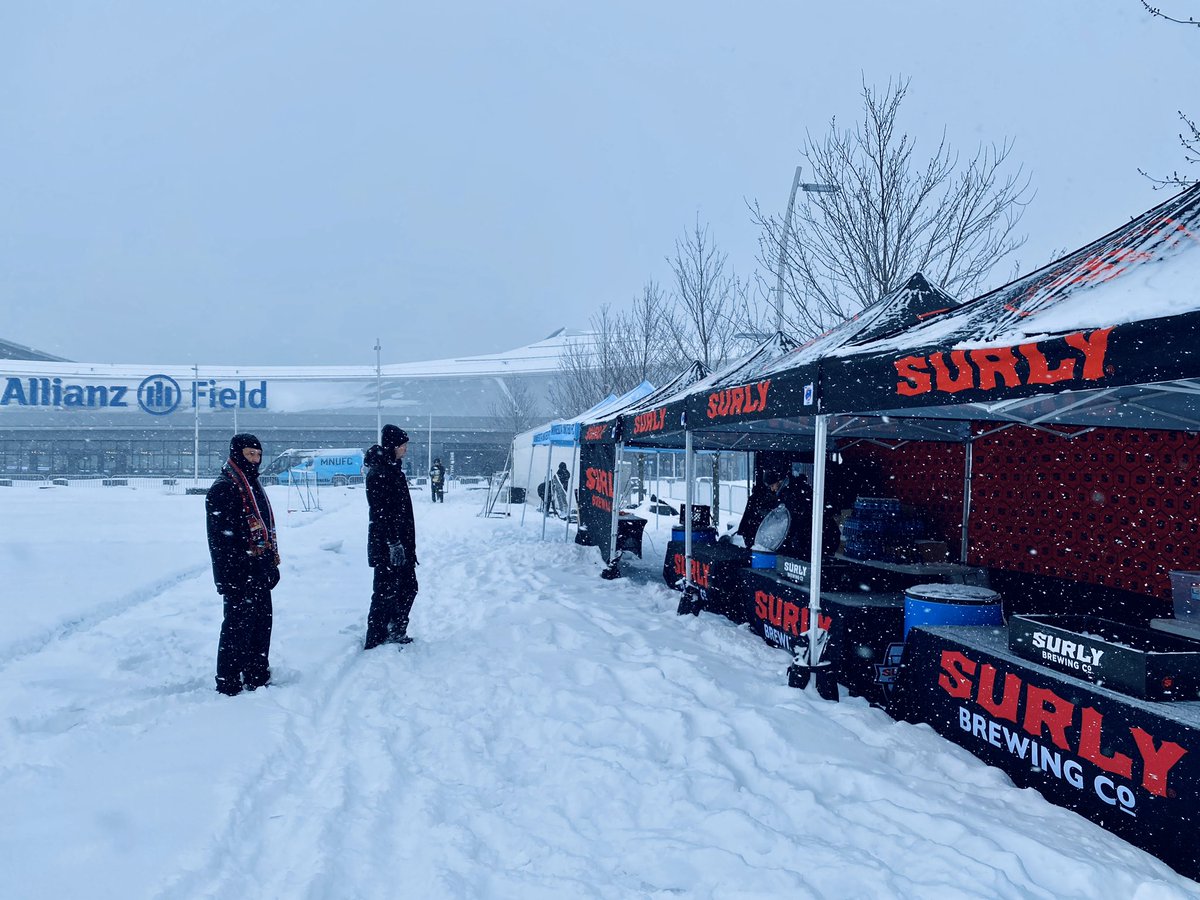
95	482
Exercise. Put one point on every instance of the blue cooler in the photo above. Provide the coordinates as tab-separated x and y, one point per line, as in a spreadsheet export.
761	559
950	604
699	535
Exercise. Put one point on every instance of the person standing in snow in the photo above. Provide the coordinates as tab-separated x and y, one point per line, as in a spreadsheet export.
557	498
245	561
391	540
437	482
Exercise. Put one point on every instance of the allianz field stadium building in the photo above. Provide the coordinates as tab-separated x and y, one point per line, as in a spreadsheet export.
62	418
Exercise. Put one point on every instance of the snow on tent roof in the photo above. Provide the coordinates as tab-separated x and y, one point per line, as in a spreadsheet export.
744	368
1148	268
688	376
566	431
1108	334
916	301
774	387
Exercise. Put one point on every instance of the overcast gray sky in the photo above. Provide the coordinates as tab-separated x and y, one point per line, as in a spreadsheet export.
280	183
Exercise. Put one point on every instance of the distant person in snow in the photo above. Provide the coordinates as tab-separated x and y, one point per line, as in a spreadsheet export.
554	493
245	561
437	482
391	540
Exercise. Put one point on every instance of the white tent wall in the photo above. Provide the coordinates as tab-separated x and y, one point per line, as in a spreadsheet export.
529	462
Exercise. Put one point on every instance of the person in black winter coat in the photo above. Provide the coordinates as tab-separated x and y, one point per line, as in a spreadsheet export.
777	486
764	498
437	482
245	561
391	540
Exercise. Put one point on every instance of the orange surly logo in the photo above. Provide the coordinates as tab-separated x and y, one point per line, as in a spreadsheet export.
599	484
792	618
745	398
594	432
1109	741
643	423
700	570
1081	359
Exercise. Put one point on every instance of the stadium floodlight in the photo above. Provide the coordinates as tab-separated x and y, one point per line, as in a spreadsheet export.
807	187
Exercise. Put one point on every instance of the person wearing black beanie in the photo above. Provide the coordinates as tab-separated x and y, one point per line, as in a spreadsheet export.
391	540
245	561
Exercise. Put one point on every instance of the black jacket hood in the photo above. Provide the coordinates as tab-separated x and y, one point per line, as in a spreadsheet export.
377	456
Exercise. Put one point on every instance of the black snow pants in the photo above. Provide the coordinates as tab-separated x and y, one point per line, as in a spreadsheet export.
395	589
243	655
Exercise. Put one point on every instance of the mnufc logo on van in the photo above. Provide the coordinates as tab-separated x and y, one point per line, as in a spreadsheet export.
158	395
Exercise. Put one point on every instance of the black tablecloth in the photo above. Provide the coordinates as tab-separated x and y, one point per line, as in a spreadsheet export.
1132	766
866	629
629	533
715	569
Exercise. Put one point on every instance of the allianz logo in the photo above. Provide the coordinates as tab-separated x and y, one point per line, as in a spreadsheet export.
158	395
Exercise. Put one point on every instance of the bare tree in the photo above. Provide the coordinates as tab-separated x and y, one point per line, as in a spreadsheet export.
586	367
650	332
1189	137
704	291
894	214
622	350
753	312
517	408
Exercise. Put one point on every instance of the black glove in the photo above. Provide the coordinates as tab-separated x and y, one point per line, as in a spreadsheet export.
396	554
272	577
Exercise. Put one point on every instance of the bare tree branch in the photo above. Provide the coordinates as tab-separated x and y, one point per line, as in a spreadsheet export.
517	408
1156	11
1189	138
623	350
893	215
704	292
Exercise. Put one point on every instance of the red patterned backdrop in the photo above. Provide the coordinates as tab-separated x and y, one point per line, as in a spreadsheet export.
1113	506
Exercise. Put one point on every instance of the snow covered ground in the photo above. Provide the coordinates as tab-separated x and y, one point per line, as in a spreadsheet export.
548	735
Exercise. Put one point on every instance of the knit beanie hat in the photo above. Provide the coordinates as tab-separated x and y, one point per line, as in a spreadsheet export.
392	437
240	442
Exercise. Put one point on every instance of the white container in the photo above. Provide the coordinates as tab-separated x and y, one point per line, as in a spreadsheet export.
1185	592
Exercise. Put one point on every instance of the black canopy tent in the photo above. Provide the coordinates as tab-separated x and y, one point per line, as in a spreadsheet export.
600	458
1106	339
1040	351
1105	335
768	400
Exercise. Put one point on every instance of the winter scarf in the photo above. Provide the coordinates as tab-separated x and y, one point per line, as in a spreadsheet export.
262	526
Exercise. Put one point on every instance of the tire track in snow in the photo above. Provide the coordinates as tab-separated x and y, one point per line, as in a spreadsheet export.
331	790
289	800
96	616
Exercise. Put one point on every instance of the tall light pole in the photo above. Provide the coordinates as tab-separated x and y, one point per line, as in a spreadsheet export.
378	392
196	425
807	187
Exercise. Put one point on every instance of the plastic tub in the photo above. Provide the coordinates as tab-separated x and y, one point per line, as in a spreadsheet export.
950	604
699	535
1185	592
761	559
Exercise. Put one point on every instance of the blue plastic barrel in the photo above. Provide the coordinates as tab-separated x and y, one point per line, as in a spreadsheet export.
950	604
